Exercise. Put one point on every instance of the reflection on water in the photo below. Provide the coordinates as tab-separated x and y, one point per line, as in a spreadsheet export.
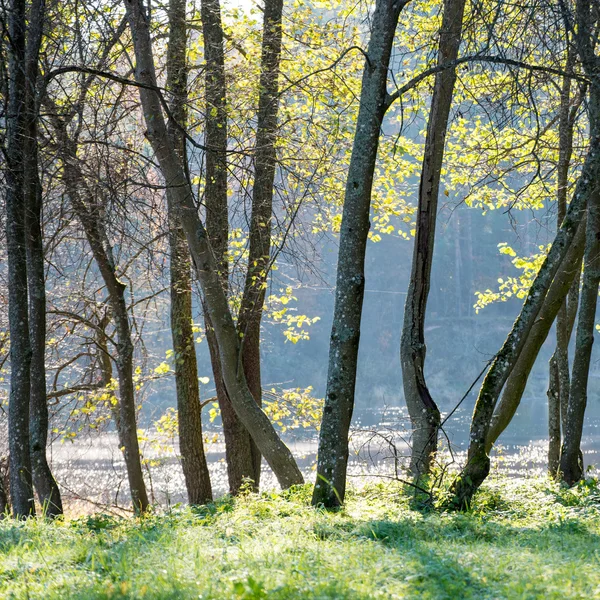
91	470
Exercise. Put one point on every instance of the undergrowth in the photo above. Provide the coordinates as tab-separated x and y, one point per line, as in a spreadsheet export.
521	539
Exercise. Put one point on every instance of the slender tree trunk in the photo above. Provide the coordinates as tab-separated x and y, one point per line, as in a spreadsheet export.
254	419
125	413
555	298
559	384
191	443
423	411
21	484
238	443
478	462
262	205
45	484
571	462
330	485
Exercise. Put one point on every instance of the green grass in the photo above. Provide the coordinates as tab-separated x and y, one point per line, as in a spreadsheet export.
523	539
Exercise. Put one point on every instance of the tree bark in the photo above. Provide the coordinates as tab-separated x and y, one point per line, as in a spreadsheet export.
254	419
45	484
259	256
189	410
423	411
330	485
478	463
21	484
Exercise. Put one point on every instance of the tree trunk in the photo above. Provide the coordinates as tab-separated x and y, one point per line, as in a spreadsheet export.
125	414
571	463
238	443
191	443
262	205
330	485
45	484
254	419
478	463
559	384
21	484
4	505
423	411
555	298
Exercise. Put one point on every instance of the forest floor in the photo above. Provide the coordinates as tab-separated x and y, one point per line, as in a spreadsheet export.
523	538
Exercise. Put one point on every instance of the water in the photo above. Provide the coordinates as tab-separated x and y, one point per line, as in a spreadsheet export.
91	471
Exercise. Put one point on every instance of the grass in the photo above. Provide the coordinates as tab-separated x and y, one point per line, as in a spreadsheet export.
522	539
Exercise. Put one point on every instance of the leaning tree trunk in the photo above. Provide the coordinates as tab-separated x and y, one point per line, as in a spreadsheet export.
330	485
238	443
567	274
21	484
254	419
478	462
125	413
45	484
262	205
423	411
189	409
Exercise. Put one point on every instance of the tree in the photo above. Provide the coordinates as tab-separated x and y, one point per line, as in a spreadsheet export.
88	214
254	419
265	161
191	443
239	448
45	485
478	463
559	378
423	411
330	485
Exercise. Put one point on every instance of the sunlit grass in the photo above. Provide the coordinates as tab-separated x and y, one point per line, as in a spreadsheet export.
523	539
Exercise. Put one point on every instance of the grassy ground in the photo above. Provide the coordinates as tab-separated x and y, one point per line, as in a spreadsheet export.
523	539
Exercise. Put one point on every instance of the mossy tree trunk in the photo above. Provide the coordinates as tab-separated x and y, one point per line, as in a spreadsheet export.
478	463
567	274
559	378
